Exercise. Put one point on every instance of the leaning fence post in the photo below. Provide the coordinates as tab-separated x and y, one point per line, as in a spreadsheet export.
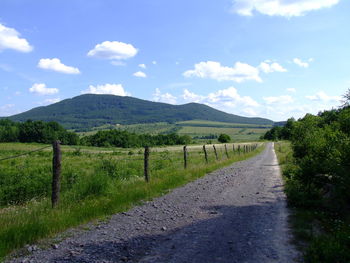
185	156
226	151
205	154
56	173
216	154
146	164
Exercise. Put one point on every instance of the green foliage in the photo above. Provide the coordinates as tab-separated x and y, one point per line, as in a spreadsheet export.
317	180
280	133
87	111
224	138
329	249
35	131
321	154
125	139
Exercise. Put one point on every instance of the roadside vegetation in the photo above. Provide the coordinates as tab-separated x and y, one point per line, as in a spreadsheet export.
95	183
315	164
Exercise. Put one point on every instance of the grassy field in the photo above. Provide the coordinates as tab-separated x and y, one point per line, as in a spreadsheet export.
96	182
237	134
220	124
195	128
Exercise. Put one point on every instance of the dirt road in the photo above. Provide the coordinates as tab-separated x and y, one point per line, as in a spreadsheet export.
236	214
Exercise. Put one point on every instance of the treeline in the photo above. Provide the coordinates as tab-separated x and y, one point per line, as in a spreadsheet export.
280	133
35	131
126	139
318	179
47	132
321	152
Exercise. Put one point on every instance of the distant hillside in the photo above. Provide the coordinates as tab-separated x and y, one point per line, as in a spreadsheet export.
90	110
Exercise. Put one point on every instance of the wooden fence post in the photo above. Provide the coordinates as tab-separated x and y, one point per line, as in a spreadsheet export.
216	154
226	151
205	154
56	173
239	149
146	164
233	148
185	156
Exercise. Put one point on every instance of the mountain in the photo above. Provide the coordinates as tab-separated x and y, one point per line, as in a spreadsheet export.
91	110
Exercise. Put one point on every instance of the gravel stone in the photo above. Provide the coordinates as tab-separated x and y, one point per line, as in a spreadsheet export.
205	221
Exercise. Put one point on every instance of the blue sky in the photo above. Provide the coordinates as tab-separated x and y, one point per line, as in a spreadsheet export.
266	58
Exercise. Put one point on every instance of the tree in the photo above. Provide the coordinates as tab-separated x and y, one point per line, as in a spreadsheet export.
224	138
346	99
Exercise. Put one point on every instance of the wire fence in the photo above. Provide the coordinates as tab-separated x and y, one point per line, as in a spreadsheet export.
115	164
26	153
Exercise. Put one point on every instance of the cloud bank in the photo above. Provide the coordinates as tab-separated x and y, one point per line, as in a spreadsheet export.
10	39
55	64
285	8
111	89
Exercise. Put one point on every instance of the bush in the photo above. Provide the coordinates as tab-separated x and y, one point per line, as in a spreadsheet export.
223	138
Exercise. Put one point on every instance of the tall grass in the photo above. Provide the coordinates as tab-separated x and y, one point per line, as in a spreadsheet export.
94	184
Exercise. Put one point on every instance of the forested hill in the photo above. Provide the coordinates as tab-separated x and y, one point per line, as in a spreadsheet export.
91	110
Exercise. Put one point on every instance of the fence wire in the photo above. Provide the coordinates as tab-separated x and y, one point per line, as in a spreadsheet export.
22	154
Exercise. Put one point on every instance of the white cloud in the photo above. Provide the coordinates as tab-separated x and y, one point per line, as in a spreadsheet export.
190	96
142	66
154	62
323	97
286	8
222	98
284	99
164	97
113	89
213	70
140	74
40	88
113	50
55	64
301	63
268	67
293	90
10	39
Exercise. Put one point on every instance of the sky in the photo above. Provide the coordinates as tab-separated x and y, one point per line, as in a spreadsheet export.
267	58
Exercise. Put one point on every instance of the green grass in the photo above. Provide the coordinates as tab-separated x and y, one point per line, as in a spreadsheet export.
142	128
202	123
194	128
95	184
236	134
322	234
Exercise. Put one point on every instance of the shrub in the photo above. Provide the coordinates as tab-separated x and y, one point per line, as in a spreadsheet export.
224	138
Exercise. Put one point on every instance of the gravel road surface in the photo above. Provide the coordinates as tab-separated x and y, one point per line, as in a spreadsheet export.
235	214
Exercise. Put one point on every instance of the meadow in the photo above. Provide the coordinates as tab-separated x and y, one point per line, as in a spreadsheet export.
95	183
197	129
